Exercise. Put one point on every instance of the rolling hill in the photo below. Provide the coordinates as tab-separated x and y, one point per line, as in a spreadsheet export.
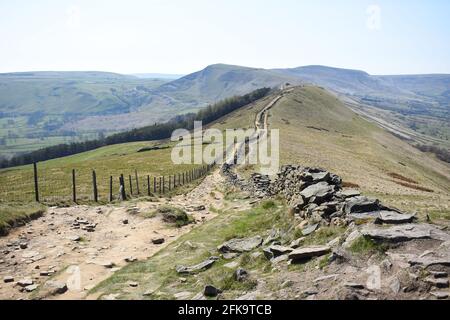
43	108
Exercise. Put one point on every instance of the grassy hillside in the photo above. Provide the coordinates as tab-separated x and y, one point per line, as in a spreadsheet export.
317	129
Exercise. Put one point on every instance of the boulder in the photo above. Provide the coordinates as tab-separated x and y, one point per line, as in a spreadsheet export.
361	205
25	282
55	287
309	252
211	291
240	275
241	245
321	192
196	268
8	279
31	288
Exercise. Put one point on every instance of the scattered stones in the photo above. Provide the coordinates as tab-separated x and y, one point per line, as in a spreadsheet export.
240	275
125	221
23	245
211	291
308	252
196	268
158	241
133	284
241	245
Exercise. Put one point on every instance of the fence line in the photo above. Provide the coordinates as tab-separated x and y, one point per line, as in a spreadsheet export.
104	188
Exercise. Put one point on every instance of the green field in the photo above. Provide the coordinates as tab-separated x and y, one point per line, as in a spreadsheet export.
55	176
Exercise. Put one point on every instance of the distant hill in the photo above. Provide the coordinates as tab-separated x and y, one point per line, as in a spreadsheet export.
44	108
158	76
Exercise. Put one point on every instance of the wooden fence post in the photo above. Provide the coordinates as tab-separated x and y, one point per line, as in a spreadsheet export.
160	185
137	181
74	187
163	184
154	185
94	185
122	187
110	188
148	186
131	184
170	179
183	178
36	185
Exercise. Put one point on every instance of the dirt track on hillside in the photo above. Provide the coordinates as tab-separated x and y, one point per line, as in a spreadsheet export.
56	247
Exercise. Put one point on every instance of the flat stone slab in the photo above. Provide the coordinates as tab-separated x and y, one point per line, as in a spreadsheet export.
241	245
350	193
392	217
406	232
429	261
362	204
309	252
196	268
280	250
310	229
319	190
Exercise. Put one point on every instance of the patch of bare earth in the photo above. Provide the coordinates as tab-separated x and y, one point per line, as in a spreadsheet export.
80	246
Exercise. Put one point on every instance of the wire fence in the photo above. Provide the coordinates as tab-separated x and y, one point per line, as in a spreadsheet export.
56	186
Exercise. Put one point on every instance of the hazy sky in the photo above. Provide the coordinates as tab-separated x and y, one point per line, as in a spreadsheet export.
182	36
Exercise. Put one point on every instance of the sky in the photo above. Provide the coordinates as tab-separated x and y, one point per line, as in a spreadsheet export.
183	36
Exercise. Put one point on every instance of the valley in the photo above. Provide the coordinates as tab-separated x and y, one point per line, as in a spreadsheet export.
47	108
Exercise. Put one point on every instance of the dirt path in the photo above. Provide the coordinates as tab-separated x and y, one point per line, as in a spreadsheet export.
56	247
